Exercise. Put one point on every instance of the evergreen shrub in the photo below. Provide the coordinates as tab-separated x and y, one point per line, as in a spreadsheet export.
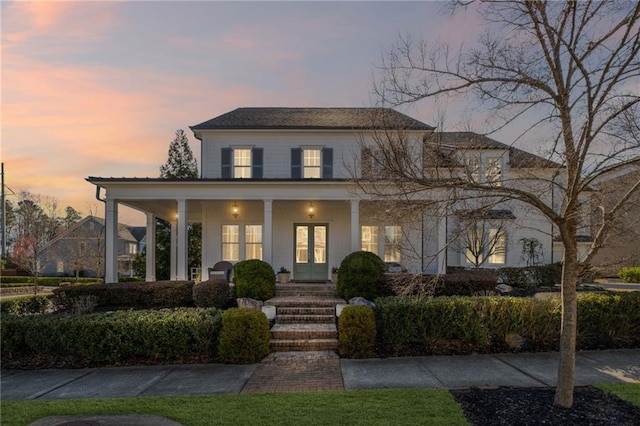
112	338
630	275
452	325
254	279
160	294
26	305
244	337
356	332
214	292
361	274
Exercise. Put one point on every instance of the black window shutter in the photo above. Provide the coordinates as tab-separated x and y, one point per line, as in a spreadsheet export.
225	156
296	163
257	163
327	163
365	160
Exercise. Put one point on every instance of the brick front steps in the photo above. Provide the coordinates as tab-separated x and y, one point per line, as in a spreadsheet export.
305	318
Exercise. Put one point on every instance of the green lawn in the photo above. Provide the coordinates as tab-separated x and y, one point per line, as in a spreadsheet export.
367	407
627	392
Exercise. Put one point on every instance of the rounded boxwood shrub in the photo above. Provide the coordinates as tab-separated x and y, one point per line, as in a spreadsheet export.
356	332
244	337
254	279
214	292
630	275
361	274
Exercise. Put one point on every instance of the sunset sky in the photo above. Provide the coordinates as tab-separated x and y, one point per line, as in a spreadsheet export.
99	88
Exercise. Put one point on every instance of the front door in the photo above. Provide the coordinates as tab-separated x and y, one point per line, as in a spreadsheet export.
310	263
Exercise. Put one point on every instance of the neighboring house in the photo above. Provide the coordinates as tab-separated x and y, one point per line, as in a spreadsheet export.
277	184
622	248
81	249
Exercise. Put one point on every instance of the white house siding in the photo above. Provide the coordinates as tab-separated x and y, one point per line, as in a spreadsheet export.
277	149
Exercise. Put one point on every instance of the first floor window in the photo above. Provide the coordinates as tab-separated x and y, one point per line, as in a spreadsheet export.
253	242
230	243
392	244
370	239
497	253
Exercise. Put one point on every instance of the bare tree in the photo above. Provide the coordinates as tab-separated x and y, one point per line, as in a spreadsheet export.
479	238
37	223
569	73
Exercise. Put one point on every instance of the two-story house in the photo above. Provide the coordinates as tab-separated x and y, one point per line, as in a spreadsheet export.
81	249
278	184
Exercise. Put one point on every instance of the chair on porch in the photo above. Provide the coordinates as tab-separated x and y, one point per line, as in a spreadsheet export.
225	267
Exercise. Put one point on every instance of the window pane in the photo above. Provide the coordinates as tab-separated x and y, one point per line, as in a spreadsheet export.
473	169
253	238
370	239
302	244
494	171
392	244
311	163
242	163
498	254
230	242
320	243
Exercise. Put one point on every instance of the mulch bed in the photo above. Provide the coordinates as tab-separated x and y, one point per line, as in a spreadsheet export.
534	406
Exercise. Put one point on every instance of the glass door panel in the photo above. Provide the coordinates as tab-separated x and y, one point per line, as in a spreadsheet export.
310	262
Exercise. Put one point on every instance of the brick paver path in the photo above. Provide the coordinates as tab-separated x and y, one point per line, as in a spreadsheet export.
296	372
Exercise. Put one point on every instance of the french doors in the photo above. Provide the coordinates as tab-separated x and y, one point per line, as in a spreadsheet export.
310	257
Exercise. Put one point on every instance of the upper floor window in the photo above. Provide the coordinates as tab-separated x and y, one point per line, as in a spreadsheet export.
312	163
473	169
493	171
241	163
373	164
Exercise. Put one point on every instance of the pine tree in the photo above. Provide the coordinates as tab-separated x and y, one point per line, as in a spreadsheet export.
180	162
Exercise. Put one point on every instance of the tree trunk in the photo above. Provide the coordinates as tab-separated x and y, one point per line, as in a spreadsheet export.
568	333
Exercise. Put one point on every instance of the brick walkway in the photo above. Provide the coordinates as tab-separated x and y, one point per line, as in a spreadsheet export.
296	372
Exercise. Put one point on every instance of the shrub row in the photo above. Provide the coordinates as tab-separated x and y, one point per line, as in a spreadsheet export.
630	275
160	294
450	325
113	338
46	281
460	283
532	276
26	305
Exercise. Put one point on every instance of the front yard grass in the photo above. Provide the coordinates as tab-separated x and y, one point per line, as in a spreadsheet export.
628	392
370	407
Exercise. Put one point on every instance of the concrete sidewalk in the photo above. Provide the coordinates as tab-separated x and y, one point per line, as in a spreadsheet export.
293	371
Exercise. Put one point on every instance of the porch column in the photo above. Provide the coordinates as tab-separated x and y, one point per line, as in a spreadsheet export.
173	271
442	244
111	241
355	225
182	242
151	248
267	232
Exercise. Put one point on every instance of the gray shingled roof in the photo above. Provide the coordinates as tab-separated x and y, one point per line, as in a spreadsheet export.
468	140
311	118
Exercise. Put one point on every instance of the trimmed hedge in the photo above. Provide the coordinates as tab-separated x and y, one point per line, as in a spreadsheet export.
254	279
356	332
213	292
530	277
361	274
466	283
45	281
27	305
113	338
456	325
630	275
160	294
245	336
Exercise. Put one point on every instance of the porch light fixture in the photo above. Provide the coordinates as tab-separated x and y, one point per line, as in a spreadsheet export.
235	210
311	210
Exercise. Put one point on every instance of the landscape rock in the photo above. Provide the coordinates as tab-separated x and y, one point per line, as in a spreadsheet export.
361	301
504	288
245	302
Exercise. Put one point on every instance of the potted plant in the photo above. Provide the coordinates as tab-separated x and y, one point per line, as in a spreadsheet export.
284	275
334	274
